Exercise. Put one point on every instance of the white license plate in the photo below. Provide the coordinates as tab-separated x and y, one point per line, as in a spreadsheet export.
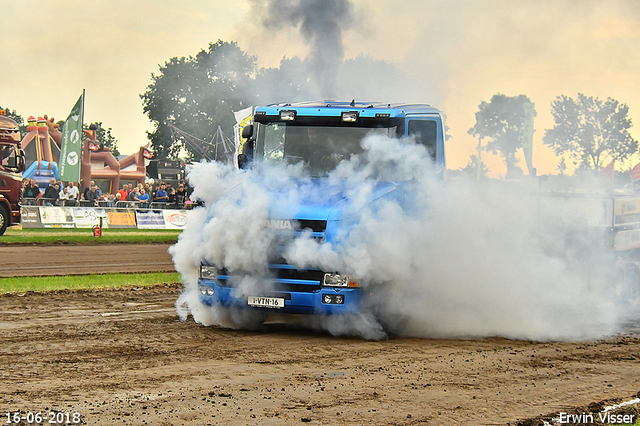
266	302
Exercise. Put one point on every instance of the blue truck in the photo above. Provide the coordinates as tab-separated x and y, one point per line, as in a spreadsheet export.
320	134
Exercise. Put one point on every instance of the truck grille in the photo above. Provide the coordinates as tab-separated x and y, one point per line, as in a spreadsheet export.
313	225
284	277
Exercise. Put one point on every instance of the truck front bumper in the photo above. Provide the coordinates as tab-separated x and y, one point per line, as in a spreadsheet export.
324	301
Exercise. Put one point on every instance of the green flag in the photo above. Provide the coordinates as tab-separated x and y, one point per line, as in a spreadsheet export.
71	148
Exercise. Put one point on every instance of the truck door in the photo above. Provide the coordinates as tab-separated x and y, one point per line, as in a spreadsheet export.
427	130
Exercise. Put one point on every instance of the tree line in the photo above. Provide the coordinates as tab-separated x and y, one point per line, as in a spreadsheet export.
198	95
589	131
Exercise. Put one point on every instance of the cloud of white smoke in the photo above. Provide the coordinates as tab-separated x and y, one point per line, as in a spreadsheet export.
438	259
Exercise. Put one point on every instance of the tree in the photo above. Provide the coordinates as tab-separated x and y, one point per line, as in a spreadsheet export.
591	131
502	121
197	94
471	169
288	83
15	117
562	166
105	137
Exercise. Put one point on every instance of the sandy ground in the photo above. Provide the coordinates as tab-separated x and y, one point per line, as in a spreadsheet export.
123	357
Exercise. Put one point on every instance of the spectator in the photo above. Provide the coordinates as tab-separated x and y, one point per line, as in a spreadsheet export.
25	183
51	193
109	200
31	190
71	191
143	198
92	195
133	195
181	194
85	193
62	194
124	193
161	194
153	196
172	195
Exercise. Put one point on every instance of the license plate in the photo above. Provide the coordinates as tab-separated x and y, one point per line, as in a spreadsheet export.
266	302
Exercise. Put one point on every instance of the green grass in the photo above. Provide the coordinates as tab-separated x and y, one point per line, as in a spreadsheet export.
94	281
85	236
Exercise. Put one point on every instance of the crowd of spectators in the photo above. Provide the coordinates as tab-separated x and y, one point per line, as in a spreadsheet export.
129	196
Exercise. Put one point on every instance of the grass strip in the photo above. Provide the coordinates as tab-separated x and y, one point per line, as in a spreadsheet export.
93	281
85	236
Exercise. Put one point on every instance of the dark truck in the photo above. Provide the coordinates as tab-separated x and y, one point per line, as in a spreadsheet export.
11	168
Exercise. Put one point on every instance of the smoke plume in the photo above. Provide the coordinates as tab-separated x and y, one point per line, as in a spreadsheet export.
439	259
321	24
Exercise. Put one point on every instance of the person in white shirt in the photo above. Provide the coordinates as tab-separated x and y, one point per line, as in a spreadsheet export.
71	190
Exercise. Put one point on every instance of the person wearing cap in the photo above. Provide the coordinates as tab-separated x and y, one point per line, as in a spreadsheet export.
161	194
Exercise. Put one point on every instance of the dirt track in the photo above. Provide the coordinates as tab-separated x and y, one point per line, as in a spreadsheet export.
123	357
31	260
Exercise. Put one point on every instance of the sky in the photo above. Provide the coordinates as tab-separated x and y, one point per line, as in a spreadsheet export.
456	53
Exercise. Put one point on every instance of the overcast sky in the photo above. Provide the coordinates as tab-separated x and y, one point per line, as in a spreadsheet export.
458	53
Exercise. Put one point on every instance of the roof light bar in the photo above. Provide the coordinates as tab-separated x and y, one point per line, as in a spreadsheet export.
287	115
350	116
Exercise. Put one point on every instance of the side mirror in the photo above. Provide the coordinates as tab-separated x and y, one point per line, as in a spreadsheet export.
242	161
247	131
22	161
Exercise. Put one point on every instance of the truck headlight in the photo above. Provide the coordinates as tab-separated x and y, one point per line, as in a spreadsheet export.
206	291
339	280
209	272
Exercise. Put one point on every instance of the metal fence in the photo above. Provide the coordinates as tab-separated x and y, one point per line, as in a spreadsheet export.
106	204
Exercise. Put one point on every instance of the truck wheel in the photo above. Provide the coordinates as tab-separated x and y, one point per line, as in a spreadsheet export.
625	280
4	220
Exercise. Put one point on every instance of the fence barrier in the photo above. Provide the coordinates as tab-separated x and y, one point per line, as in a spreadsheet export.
122	216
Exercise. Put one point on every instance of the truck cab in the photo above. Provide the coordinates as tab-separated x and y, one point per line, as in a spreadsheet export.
12	163
320	135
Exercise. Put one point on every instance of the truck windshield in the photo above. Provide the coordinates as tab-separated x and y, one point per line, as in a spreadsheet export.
321	148
9	156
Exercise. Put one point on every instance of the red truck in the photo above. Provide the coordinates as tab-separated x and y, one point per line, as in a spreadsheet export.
12	163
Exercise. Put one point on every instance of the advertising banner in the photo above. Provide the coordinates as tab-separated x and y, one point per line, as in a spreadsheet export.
71	148
175	219
56	217
121	219
31	217
150	219
89	217
627	211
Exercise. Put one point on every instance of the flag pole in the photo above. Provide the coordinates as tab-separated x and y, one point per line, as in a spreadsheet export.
81	137
82	115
